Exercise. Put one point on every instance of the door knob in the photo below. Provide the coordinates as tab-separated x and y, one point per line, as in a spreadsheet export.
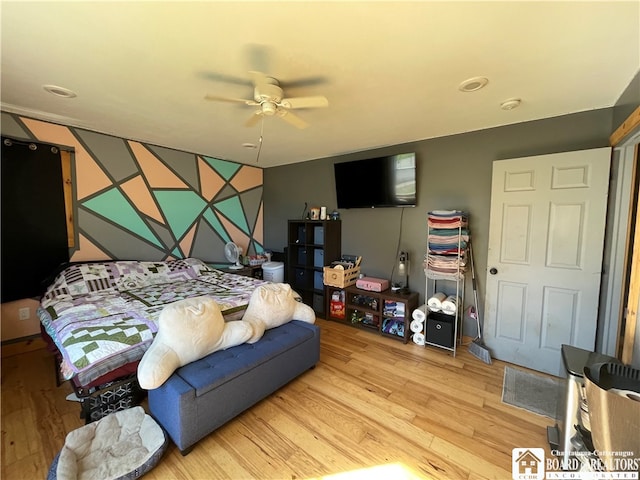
493	270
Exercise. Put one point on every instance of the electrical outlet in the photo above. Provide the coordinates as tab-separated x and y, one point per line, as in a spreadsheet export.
24	313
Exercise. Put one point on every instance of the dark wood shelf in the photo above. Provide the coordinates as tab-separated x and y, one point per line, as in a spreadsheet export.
390	311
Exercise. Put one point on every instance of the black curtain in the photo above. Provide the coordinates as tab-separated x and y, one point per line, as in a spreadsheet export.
34	229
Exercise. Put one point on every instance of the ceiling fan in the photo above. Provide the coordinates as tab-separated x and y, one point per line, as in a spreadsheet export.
268	95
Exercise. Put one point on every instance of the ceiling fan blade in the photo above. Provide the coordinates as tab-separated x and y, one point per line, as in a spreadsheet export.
305	102
259	60
253	119
259	78
292	119
303	82
221	77
216	98
258	56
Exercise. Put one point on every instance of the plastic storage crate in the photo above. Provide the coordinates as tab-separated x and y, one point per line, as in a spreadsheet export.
111	397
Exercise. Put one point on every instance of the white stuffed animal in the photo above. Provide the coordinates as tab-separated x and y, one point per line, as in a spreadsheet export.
272	305
187	331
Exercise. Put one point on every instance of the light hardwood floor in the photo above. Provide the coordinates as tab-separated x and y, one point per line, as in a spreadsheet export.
372	408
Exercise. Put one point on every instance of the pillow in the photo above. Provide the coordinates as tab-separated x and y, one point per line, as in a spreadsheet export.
187	331
272	305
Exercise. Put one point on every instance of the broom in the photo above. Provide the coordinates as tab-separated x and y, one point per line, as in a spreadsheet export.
477	348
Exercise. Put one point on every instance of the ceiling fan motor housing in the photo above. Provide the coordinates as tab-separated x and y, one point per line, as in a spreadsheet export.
267	92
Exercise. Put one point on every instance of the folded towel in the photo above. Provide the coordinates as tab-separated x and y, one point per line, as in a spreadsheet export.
447	219
447	213
445	261
443	275
447	246
454	222
449	232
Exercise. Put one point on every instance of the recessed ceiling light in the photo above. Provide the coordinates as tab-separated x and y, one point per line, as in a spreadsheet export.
510	104
473	84
59	91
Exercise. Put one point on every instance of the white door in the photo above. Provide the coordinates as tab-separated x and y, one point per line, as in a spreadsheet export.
544	264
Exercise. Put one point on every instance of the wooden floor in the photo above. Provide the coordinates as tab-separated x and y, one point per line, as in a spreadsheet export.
372	408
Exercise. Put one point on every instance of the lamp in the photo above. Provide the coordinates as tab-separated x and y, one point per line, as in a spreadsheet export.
401	282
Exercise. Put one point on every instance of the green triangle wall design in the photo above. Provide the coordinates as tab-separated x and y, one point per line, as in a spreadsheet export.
224	168
119	225
113	205
232	209
212	220
257	247
181	208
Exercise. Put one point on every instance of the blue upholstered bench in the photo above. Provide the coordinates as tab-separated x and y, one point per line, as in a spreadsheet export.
203	395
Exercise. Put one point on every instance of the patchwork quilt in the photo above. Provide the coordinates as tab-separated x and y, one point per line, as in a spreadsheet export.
104	315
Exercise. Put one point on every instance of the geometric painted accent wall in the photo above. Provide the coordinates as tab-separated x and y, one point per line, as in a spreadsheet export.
138	201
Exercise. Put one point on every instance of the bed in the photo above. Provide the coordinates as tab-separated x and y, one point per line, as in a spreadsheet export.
100	317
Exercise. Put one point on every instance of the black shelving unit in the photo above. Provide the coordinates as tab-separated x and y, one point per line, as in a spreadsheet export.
312	244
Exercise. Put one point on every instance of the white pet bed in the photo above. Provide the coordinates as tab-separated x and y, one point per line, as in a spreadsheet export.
122	445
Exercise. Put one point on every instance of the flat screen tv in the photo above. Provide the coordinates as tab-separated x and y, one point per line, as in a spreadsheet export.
388	181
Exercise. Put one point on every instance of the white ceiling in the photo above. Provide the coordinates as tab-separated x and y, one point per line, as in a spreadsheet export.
390	70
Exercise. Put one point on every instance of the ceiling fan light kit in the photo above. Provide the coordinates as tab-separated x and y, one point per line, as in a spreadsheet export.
268	108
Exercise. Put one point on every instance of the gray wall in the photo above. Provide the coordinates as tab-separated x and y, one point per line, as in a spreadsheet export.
454	172
627	103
